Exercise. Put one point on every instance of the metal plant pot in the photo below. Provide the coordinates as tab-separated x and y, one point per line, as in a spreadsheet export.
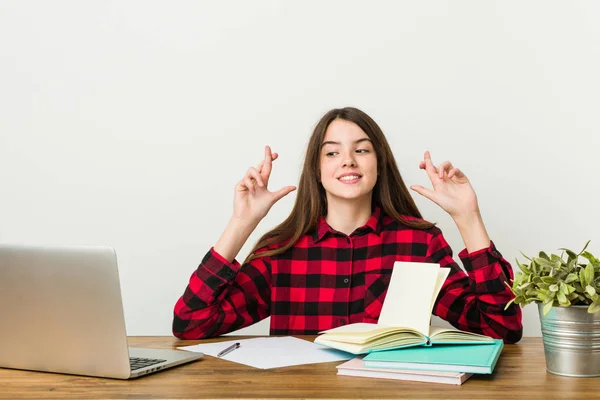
571	341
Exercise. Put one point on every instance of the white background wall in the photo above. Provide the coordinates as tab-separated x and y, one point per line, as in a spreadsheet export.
127	123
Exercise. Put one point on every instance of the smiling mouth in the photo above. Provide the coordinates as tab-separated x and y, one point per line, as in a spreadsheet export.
349	178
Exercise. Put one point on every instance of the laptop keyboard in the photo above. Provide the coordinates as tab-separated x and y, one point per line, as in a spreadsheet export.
138	362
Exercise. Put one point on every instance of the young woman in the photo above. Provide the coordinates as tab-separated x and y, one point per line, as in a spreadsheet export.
329	263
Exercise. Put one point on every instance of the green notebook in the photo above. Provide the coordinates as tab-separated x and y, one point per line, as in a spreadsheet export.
475	359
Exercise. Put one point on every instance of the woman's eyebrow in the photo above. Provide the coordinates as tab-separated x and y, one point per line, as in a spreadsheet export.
357	141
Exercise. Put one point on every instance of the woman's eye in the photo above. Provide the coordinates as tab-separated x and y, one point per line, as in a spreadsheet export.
331	154
362	151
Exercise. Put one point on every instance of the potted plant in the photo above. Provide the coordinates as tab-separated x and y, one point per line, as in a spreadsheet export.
568	296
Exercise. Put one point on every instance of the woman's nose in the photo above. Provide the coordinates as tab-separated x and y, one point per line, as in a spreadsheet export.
349	162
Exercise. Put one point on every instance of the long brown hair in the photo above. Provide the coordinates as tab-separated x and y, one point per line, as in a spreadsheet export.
390	192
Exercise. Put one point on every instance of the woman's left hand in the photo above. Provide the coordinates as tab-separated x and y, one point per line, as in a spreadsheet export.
452	191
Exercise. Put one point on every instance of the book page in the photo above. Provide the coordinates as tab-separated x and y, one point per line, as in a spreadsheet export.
354	333
452	335
411	295
441	278
356	327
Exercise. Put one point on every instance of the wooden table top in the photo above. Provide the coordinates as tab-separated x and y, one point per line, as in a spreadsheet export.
520	372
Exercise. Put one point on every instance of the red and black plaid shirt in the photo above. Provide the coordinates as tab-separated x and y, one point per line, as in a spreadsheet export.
328	279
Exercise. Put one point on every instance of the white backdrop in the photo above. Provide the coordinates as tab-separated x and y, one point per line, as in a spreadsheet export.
127	123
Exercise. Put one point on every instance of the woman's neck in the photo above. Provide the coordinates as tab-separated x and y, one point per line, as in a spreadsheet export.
346	215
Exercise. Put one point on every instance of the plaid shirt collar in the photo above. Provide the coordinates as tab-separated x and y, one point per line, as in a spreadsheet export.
374	224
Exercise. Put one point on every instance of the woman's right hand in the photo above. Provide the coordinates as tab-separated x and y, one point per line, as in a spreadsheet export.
252	199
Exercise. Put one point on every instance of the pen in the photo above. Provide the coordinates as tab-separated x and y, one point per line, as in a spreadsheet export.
229	349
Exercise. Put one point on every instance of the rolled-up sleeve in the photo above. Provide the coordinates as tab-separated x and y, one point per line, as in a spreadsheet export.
223	296
474	301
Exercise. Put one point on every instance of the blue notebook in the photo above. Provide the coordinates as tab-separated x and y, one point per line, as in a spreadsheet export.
475	359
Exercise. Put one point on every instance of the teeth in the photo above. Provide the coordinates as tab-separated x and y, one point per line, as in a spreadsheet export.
349	177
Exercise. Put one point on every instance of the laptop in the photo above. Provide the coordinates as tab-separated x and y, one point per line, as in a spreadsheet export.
61	311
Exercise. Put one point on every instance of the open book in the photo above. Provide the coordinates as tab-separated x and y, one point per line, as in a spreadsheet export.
405	316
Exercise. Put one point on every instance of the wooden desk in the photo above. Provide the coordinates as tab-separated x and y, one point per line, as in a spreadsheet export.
520	373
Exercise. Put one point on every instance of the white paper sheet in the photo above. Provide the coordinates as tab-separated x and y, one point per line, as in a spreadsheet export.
272	352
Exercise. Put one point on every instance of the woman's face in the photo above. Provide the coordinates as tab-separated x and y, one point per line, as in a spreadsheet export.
348	162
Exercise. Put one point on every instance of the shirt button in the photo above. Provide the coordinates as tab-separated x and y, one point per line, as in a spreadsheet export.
346	280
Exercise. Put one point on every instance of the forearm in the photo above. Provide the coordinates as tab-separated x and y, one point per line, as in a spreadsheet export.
220	298
475	300
481	313
473	232
234	237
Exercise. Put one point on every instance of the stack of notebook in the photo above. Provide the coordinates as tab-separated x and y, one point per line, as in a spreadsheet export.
356	367
403	345
448	364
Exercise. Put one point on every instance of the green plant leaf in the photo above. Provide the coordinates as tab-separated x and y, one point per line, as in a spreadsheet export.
570	289
562	299
547	308
543	262
572	296
544	255
523	267
524	285
525	256
571	266
589	289
593	308
582	278
570	253
535	268
589	273
531	292
588	256
571	278
563	288
508	304
585	247
542	296
548	279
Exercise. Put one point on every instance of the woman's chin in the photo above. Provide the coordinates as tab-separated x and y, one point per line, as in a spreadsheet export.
350	195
